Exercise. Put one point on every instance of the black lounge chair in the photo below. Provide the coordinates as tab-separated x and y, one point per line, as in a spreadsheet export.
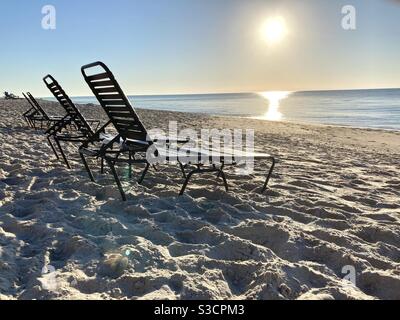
59	131
134	140
30	113
37	114
10	96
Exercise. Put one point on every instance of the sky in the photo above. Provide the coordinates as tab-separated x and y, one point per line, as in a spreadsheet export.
200	46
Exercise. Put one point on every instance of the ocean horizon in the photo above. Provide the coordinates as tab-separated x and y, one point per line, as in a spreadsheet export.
362	108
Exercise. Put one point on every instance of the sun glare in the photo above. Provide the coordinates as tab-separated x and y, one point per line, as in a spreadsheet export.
274	30
274	98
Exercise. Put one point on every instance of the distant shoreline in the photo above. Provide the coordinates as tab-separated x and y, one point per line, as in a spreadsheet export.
236	93
377	109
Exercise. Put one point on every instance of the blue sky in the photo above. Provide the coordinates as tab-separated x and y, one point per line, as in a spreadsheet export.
200	46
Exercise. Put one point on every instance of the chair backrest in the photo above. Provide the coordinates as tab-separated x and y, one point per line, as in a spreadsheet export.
76	116
30	103
33	102
114	102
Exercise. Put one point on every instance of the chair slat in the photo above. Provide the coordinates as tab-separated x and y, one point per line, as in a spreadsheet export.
114	103
124	115
107	83
111	97
99	76
126	121
105	90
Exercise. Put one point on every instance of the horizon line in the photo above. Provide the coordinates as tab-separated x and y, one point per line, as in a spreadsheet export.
241	92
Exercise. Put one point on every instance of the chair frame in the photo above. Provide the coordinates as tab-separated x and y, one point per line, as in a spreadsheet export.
10	96
39	114
83	131
134	134
30	113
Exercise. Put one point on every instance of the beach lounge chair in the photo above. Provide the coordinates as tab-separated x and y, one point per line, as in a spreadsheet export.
134	139
37	113
59	130
30	113
10	96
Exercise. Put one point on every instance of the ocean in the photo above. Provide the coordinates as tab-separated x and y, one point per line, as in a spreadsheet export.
378	109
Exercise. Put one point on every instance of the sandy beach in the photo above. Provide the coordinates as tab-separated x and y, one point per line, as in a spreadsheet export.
333	204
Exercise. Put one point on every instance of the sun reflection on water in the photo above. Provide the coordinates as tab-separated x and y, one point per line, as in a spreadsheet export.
274	98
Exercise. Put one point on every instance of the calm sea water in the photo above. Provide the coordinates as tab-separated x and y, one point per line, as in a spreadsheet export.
356	108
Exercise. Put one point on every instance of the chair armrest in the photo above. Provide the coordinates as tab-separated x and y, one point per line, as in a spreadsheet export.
170	140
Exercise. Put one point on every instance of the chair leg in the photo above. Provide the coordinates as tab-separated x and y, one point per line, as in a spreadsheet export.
26	119
117	180
62	153
269	175
199	170
116	158
144	173
183	170
219	173
52	147
130	165
87	167
187	181
222	174
102	166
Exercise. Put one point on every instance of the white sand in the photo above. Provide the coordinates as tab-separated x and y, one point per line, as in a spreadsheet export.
333	202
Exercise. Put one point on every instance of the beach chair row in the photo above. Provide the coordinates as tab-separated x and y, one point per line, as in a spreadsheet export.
130	144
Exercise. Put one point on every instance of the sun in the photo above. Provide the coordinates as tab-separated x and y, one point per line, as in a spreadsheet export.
274	30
